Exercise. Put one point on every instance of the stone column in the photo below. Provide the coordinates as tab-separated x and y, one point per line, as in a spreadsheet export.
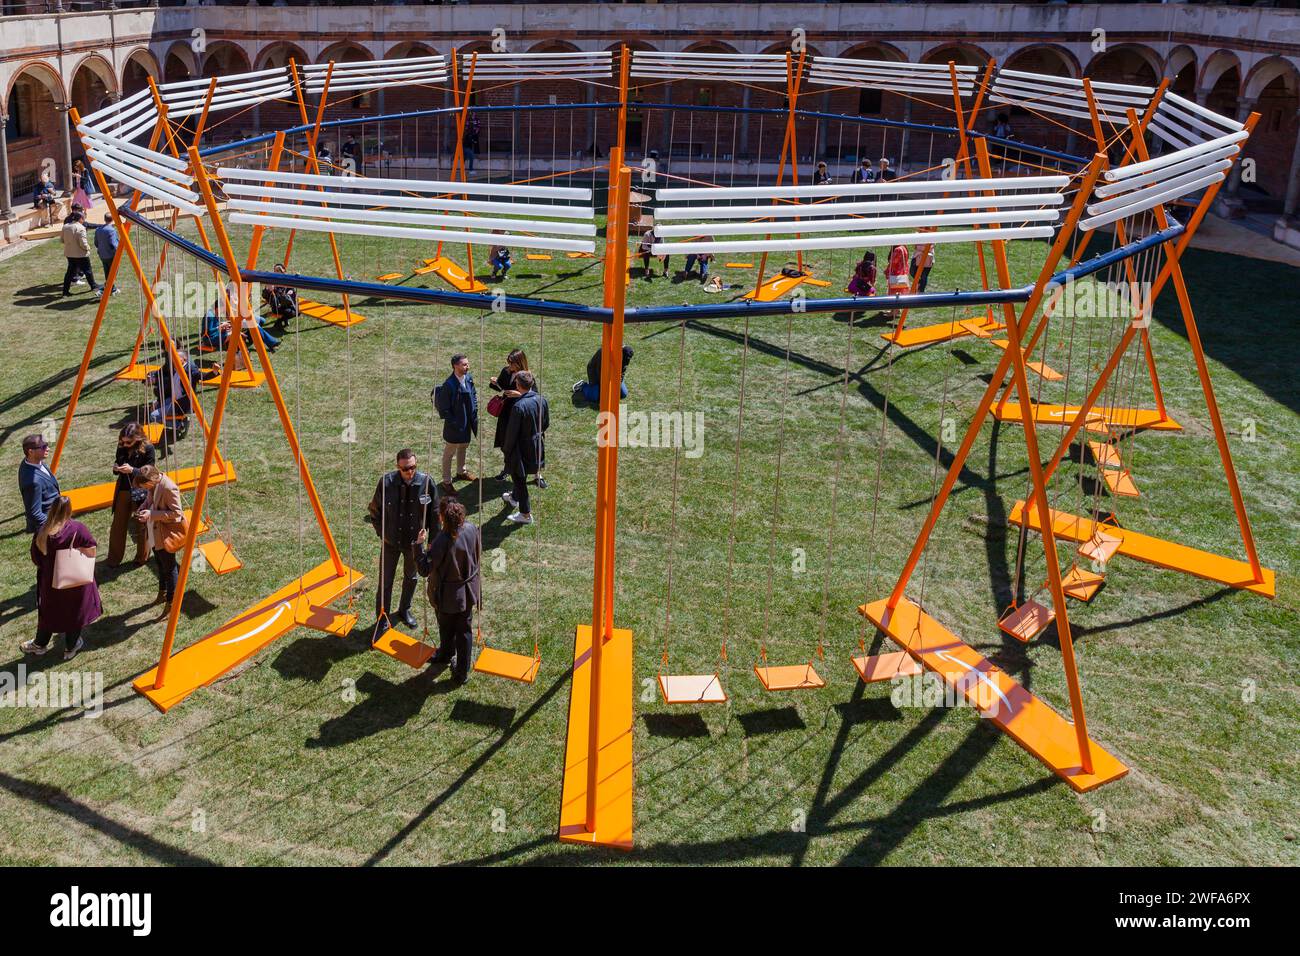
1244	109
6	187
1293	177
65	136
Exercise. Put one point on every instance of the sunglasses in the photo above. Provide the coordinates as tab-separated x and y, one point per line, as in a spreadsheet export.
405	468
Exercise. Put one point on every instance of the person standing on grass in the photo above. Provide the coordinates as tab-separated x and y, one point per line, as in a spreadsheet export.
106	241
921	264
451	563
457	405
401	512
66	611
76	249
504	383
36	482
162	515
525	445
133	451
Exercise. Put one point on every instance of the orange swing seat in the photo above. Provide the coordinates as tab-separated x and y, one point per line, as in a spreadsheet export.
1027	621
692	689
507	664
873	668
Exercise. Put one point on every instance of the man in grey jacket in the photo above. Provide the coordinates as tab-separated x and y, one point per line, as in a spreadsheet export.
106	245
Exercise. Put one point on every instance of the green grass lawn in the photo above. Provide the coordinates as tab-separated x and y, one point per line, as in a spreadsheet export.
320	751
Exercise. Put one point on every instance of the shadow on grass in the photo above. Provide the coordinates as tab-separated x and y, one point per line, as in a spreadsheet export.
675	726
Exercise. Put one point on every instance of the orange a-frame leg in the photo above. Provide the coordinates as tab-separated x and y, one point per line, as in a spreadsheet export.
596	801
1156	419
781	285
204	661
1248	575
1062	745
444	267
944	331
96	497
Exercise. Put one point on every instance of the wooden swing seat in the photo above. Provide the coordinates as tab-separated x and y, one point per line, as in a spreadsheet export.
153	432
96	497
537	257
453	274
1121	484
326	619
498	663
389	277
403	647
189	519
1027	621
220	558
692	689
789	677
820	283
1105	454
879	667
942	332
1157	551
1082	585
330	314
135	373
739	265
1100	546
978	328
239	378
774	288
580	255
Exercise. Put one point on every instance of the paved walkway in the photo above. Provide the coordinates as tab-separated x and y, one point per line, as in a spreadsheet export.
1227	235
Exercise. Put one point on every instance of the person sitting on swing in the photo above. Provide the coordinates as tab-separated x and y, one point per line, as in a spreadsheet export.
281	299
171	400
648	239
216	330
863	281
450	562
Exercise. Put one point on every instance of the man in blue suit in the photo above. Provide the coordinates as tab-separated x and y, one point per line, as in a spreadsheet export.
457	406
38	485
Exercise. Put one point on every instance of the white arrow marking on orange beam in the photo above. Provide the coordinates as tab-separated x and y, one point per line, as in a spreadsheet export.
280	609
979	675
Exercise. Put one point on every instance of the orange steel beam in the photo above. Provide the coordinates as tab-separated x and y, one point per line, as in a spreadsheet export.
986	402
100	311
1049	309
602	612
623	65
458	158
793	76
255	244
1039	486
313	166
151	302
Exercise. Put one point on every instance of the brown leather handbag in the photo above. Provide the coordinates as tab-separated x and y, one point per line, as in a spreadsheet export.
171	534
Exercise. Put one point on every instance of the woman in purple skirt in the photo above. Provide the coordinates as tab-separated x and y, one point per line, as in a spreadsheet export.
64	611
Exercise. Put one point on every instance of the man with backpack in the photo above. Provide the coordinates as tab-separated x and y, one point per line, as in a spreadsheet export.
457	405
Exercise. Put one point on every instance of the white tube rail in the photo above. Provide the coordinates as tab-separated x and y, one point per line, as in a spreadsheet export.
379	216
408	185
863	189
411	202
424	235
857	224
805	210
852	242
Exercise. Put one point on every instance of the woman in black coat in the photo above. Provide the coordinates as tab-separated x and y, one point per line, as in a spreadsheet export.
504	383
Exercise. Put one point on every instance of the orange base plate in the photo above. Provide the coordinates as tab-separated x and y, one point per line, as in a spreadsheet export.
1029	722
613	817
240	638
97	497
789	677
929	334
454	275
1165	554
331	314
1046	414
774	288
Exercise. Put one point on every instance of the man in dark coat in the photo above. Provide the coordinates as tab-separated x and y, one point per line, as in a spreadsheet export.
38	485
451	563
457	405
401	508
525	445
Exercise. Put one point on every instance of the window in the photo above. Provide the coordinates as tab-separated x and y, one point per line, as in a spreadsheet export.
704	96
869	102
14	124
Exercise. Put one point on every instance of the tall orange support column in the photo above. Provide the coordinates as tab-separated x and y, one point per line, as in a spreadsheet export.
596	802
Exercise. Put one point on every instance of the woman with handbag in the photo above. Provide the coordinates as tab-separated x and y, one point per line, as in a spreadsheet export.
133	451
500	404
68	598
165	523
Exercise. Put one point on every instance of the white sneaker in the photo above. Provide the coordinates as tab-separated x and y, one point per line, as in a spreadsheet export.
519	517
509	499
31	647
